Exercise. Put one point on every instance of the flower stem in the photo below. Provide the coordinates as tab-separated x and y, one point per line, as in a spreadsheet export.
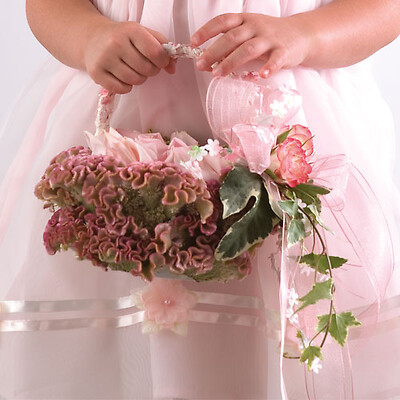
285	355
328	324
325	253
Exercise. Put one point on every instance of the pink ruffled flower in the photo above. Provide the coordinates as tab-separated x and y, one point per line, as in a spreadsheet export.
113	144
212	168
293	166
150	147
130	147
134	146
167	304
178	151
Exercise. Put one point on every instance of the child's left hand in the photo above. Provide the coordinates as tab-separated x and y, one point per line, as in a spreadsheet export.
279	42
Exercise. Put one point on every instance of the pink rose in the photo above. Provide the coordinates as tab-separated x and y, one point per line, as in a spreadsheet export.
293	167
304	136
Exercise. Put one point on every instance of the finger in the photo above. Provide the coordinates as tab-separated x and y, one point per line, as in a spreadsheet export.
171	67
151	47
110	82
126	74
159	36
224	46
248	51
220	24
139	63
276	61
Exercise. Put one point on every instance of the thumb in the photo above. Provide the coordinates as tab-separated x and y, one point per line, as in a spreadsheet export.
159	36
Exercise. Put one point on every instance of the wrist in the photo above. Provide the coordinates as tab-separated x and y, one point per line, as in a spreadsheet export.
311	37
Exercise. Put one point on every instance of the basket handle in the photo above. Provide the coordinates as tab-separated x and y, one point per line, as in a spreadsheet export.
106	99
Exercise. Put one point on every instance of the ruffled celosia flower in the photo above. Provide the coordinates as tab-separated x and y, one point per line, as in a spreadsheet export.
117	215
167	304
197	260
138	218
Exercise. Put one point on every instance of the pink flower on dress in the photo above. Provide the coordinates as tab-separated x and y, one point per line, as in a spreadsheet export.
293	166
167	304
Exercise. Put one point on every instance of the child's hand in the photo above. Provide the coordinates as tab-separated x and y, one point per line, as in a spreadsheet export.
118	55
279	42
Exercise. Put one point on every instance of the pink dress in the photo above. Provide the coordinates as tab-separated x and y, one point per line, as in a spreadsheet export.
97	351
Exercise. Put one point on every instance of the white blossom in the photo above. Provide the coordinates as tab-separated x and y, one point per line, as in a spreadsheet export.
278	108
197	153
292	297
294	319
316	365
213	147
289	100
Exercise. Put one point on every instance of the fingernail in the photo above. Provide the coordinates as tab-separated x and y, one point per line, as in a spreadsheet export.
264	73
217	71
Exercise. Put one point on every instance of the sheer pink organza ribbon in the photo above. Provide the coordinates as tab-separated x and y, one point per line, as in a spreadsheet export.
246	113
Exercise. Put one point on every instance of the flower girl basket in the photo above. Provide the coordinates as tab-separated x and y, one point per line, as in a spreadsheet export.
171	208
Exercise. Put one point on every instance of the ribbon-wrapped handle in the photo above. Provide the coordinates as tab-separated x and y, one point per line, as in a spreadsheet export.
106	99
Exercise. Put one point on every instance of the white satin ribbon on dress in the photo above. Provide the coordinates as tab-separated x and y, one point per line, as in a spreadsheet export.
54	318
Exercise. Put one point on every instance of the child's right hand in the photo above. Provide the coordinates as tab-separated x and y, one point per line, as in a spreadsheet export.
119	55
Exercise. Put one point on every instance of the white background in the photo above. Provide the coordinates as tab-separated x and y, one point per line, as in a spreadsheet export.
21	55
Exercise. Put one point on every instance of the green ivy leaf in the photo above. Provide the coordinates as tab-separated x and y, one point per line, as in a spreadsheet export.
310	189
315	210
319	291
238	187
320	262
339	325
310	194
309	354
296	231
251	229
290	207
283	136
